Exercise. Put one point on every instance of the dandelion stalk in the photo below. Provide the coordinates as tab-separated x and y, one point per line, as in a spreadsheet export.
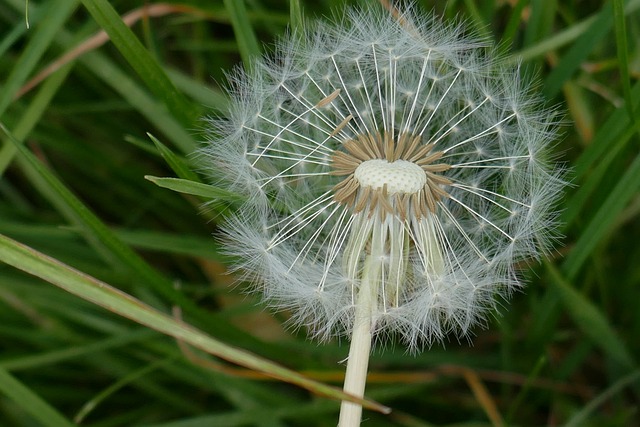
393	171
361	336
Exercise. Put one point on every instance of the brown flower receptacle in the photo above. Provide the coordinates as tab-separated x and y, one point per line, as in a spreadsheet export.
406	158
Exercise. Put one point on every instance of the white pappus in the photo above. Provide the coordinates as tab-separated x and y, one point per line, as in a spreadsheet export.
388	162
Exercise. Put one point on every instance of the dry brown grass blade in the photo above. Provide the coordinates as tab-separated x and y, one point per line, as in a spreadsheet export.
101	37
483	397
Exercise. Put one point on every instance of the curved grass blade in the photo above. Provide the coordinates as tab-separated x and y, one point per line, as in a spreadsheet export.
590	319
141	60
114	250
56	14
96	232
175	162
564	37
620	29
246	38
626	188
140	99
589	187
296	16
580	418
118	302
578	53
32	115
30	402
209	192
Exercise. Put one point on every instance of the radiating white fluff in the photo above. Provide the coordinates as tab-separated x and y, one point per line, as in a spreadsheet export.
371	72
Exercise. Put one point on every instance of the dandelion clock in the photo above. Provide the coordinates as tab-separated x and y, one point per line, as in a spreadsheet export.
393	172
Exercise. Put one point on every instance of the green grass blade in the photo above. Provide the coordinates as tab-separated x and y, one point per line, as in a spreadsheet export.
578	53
116	301
175	162
534	22
203	247
116	252
247	42
296	15
590	320
211	98
91	404
32	115
607	138
10	38
626	188
534	374
620	30
557	41
140	99
580	418
142	61
43	360
577	202
208	192
564	37
515	17
28	401
56	12
98	234
480	25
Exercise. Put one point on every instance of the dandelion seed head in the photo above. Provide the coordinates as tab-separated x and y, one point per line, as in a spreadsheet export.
392	152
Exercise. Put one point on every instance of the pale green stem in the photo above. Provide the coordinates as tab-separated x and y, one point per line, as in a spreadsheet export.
358	362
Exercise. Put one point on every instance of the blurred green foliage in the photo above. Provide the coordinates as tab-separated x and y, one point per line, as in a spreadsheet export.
563	352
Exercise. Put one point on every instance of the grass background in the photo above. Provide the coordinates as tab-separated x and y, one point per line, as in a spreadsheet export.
78	220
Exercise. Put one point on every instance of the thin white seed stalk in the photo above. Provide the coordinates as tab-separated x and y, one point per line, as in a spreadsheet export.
366	308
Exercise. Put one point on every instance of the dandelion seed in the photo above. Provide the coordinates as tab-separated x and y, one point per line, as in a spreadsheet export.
394	173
